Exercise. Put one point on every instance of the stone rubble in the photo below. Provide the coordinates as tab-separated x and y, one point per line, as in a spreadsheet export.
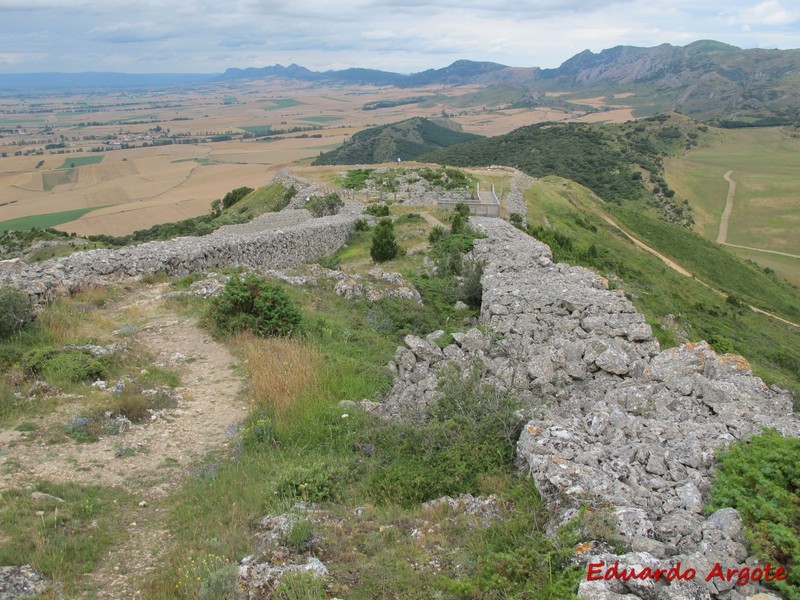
23	582
514	198
616	424
260	573
258	249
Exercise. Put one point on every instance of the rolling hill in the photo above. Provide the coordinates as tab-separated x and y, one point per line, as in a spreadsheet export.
405	140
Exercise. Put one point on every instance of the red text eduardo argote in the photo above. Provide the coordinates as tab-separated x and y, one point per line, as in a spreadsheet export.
599	571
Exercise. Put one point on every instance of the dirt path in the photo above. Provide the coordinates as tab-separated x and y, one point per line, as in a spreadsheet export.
675	266
763	250
161	451
670	263
722	236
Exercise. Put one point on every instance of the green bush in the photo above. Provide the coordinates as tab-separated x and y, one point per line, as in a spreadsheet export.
437	233
15	311
315	481
300	536
321	206
462	209
252	303
362	225
55	365
377	210
516	220
384	246
459	224
234	196
470	291
721	344
469	432
760	477
221	584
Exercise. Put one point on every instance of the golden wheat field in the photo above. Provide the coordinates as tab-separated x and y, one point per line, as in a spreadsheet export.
108	154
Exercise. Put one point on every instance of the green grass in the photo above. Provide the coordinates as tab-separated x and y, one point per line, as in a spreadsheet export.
766	213
322	118
70	538
51	179
713	264
46	220
281	103
81	161
785	267
759	478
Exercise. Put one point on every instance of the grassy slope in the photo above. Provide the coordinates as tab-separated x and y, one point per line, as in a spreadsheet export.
658	291
766	210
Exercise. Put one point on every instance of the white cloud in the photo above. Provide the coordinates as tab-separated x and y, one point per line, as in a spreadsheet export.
769	12
401	35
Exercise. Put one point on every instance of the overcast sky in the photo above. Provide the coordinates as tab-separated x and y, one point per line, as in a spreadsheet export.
208	36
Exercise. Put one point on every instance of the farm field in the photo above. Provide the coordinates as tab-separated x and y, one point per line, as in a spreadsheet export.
163	156
763	164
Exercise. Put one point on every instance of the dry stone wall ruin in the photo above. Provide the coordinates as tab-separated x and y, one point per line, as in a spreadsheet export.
615	423
271	241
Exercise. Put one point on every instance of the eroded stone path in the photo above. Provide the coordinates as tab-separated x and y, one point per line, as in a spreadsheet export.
162	451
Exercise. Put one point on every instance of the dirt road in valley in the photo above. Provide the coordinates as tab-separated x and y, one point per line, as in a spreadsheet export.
722	236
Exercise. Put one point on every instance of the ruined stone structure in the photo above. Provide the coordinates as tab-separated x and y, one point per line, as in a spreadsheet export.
614	423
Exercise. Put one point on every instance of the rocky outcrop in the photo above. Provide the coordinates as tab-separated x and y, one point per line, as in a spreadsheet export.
615	424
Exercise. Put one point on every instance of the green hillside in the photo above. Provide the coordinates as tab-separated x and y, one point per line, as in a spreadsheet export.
406	140
617	162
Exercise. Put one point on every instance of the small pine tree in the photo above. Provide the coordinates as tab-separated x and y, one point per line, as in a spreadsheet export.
384	246
458	224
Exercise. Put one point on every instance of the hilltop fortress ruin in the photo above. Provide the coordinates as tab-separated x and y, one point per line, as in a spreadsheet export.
612	421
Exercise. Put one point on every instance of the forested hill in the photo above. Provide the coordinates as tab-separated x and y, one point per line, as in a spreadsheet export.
405	140
617	162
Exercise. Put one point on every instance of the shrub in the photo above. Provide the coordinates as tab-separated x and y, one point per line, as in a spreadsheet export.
759	477
234	196
362	225
471	290
458	224
469	432
15	311
384	246
721	344
377	210
59	366
329	204
516	220
437	233
315	481
300	536
251	303
462	209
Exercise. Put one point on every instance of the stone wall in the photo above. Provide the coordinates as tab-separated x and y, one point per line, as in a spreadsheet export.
614	423
258	244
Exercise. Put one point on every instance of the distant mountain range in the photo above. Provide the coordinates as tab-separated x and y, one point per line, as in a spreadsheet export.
705	79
